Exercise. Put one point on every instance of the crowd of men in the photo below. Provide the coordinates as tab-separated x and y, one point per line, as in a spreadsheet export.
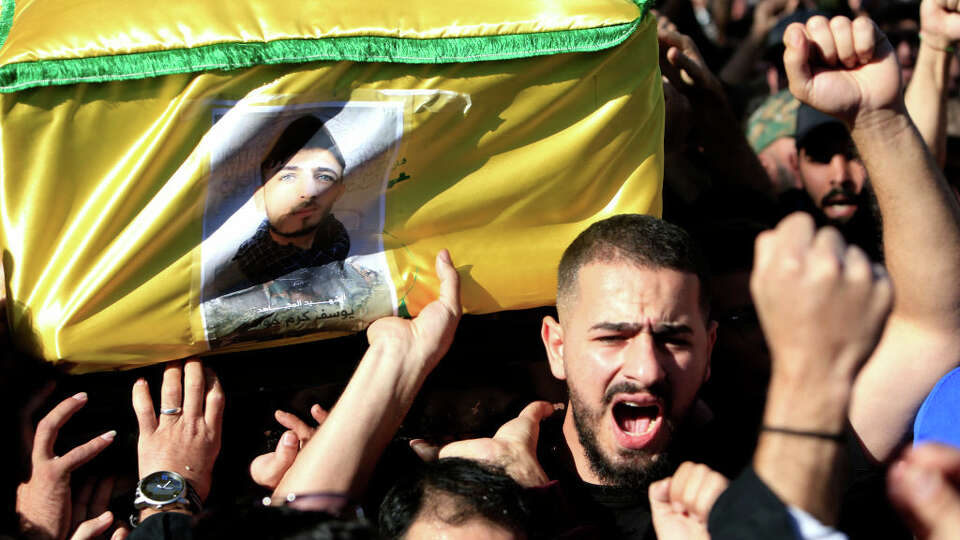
761	385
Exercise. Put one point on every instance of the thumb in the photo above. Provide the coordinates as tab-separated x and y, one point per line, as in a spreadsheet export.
659	492
424	450
796	60
525	428
924	498
267	469
449	282
693	71
92	528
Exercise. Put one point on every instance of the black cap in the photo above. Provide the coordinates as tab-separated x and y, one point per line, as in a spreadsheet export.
809	120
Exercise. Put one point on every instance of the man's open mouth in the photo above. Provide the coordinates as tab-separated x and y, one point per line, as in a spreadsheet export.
637	420
839	205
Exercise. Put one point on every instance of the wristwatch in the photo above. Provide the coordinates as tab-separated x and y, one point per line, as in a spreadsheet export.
165	490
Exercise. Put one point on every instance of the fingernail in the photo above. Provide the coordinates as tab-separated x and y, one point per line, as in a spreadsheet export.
141	380
106	516
288	439
108	436
414	442
80	396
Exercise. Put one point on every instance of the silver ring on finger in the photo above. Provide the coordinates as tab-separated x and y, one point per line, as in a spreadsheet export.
171	411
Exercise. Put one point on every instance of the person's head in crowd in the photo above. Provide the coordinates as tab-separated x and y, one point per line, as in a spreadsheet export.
302	177
280	523
633	344
831	171
770	131
900	21
455	498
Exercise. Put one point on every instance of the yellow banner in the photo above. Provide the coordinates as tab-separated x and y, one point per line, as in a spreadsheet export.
158	217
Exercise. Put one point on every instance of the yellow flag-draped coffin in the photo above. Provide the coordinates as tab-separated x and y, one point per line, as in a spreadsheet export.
196	177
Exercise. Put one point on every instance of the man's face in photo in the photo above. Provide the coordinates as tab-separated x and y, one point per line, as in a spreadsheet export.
832	173
634	348
302	192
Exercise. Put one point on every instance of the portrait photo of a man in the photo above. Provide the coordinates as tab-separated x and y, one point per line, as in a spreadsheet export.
293	221
302	177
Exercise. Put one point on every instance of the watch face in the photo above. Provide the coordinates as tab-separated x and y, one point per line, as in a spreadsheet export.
162	487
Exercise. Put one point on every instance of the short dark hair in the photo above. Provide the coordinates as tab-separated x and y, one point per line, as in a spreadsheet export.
292	139
475	490
253	520
645	241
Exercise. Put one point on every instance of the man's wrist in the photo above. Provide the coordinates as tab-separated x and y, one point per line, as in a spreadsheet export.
145	513
814	406
881	123
937	43
197	480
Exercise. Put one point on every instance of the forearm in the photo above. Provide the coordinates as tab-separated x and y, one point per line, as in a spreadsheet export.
740	67
922	246
342	454
926	97
803	470
921	220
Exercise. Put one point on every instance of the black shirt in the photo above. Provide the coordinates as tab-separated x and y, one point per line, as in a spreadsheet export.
589	510
261	259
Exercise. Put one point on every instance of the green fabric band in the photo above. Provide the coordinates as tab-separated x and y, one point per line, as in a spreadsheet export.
7	7
228	56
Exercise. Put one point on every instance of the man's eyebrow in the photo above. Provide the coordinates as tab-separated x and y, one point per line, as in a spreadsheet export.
671	329
660	329
327	169
290	168
617	327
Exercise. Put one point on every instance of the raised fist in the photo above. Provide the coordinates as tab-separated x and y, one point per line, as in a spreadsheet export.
940	22
845	69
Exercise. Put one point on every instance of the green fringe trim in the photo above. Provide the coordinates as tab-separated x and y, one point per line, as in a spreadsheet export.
7	7
228	56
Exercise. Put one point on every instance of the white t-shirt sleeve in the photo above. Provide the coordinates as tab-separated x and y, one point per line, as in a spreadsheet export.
810	528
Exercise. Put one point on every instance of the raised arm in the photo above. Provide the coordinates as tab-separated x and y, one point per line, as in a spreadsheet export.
926	95
344	451
725	147
822	310
848	69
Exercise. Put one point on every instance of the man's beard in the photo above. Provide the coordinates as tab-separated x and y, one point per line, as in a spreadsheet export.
641	467
862	200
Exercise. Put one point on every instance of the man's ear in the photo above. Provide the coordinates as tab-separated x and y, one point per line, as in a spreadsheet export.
711	340
552	334
793	158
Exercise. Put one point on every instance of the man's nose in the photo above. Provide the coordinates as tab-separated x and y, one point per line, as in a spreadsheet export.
308	189
642	362
839	170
